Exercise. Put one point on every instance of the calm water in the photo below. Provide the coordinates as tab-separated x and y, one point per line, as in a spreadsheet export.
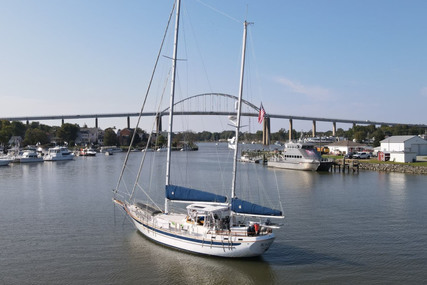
59	226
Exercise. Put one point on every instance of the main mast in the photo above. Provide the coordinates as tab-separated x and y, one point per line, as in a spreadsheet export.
172	97
239	111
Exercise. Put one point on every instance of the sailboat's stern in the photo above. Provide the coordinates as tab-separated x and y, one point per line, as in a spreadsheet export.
262	245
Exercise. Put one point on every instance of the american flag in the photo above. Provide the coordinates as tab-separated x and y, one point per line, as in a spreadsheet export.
261	114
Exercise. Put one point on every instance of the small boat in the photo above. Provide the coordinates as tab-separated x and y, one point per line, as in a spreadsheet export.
87	152
111	149
247	158
58	153
232	143
29	156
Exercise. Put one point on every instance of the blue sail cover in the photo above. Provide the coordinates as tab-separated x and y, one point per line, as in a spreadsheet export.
180	193
244	207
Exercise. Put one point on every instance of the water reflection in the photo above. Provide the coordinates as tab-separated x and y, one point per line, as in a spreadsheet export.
176	267
294	179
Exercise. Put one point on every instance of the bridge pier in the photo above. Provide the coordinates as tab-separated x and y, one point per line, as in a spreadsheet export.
334	129
128	120
96	122
158	123
266	131
290	130
314	129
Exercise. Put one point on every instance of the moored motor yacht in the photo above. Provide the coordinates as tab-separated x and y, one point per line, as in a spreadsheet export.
58	153
30	155
298	156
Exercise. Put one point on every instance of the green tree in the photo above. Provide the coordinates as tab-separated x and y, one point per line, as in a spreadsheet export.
205	136
359	136
68	132
110	137
34	136
18	129
378	136
5	132
160	140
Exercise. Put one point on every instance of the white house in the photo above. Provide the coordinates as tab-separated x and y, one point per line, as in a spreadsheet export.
90	135
404	148
345	147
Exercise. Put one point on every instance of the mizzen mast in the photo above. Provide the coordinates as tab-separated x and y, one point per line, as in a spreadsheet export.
239	111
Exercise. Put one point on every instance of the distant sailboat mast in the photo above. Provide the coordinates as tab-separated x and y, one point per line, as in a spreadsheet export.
172	97
239	111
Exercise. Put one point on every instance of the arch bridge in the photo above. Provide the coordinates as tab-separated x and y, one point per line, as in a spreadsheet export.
214	104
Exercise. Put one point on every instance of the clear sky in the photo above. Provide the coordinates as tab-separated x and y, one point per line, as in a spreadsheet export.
364	60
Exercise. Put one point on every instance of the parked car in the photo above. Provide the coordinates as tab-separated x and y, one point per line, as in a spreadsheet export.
349	155
361	155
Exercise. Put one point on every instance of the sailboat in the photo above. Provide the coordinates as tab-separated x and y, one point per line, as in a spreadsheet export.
212	224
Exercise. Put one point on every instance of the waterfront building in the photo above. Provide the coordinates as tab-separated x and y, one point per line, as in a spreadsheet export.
90	136
345	147
402	148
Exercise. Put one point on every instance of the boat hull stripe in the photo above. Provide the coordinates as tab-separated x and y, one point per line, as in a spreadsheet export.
205	242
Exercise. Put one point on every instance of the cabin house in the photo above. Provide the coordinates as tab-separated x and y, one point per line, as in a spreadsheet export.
402	148
345	147
88	136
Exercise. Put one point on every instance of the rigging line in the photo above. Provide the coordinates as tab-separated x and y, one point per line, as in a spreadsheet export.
145	98
199	53
220	168
148	141
148	196
257	73
278	192
218	11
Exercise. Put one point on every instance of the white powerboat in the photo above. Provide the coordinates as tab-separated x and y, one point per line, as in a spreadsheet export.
58	153
232	143
87	152
110	149
29	156
297	156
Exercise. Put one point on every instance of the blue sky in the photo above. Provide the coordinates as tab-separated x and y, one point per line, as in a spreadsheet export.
363	60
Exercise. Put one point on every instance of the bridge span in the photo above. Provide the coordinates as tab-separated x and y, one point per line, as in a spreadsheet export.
291	118
213	104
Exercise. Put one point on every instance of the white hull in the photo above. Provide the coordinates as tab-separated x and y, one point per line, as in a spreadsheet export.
309	166
58	154
110	149
58	158
30	159
4	162
172	230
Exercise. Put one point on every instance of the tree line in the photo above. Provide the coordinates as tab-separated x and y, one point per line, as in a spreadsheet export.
35	133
